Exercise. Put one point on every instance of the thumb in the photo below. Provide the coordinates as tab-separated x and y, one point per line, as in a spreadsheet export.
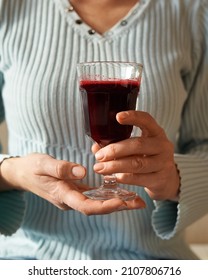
78	171
61	169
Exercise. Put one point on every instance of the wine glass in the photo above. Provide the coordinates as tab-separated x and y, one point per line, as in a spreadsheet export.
106	88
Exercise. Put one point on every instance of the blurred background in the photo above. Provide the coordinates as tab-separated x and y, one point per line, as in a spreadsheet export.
3	136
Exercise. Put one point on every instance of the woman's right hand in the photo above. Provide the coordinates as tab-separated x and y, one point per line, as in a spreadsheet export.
58	182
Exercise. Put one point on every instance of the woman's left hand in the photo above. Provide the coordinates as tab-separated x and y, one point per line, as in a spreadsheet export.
146	161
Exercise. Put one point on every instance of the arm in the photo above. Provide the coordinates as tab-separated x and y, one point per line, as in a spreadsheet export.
11	202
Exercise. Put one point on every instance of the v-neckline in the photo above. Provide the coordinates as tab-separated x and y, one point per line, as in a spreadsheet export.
85	30
101	18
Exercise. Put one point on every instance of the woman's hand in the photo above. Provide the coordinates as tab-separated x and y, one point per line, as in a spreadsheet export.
146	161
58	182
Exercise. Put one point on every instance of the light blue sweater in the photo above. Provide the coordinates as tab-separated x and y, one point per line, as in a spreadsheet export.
40	46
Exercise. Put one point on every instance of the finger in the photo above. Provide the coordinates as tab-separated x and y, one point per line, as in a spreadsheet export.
60	169
150	181
137	203
95	148
136	146
133	164
141	119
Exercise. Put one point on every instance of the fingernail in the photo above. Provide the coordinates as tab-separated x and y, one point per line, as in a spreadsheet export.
99	155
123	115
98	167
140	202
78	171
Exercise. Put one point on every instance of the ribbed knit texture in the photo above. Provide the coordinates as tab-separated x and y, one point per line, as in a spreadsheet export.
40	46
11	202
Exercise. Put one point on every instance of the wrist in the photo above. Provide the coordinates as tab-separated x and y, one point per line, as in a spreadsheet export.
177	185
7	181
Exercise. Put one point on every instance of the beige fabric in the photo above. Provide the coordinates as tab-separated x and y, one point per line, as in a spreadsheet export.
3	137
197	236
198	232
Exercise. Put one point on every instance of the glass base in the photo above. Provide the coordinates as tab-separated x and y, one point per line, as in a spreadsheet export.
109	193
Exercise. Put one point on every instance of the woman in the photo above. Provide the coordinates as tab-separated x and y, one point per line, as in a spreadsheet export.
41	44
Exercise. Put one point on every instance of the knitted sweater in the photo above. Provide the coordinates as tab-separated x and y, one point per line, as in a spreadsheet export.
40	46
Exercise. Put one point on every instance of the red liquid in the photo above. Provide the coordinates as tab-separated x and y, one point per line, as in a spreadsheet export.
102	100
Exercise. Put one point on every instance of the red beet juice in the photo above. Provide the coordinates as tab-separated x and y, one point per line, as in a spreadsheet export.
102	100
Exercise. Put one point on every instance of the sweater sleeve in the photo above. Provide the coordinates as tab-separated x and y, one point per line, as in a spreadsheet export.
12	203
192	158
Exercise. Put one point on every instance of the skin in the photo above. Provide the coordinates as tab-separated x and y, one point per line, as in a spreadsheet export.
146	161
103	14
54	180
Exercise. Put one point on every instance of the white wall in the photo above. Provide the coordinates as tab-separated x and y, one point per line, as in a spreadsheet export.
3	136
198	232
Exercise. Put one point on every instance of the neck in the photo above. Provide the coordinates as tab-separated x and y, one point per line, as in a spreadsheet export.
103	14
103	3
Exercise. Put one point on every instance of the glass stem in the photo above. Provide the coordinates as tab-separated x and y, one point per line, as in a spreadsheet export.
109	181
